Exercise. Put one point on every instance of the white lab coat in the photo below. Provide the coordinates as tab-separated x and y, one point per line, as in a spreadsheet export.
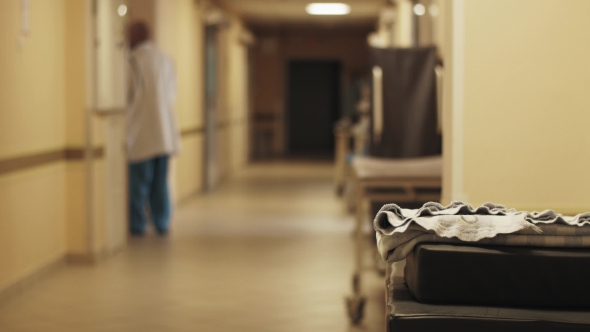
152	129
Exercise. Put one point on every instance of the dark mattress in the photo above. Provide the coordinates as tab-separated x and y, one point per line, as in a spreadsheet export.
406	314
499	276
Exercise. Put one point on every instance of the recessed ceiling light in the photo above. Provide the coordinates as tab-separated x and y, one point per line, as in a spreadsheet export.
419	9
122	10
327	8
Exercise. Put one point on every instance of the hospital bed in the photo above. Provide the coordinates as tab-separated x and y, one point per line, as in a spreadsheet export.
405	163
408	180
532	278
342	136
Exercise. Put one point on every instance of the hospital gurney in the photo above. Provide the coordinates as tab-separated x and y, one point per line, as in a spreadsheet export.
485	268
342	136
412	180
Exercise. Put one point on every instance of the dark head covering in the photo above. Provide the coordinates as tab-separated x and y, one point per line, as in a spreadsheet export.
138	32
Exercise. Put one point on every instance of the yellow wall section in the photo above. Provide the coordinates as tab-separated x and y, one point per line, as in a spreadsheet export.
32	117
444	42
141	10
32	120
232	106
189	62
223	151
189	167
99	211
32	220
75	84
178	31
76	208
43	96
238	98
526	114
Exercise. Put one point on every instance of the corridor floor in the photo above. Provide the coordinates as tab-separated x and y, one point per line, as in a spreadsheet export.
270	250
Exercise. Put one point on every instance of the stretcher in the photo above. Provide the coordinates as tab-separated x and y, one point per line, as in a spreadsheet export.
412	180
449	287
484	268
342	137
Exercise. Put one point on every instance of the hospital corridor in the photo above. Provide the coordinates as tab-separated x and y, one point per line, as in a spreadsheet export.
294	165
268	251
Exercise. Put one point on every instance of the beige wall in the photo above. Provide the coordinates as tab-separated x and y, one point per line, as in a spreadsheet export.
223	105
45	91
443	36
141	10
75	78
275	47
45	209
178	31
31	79
232	102
523	138
87	206
32	215
32	120
238	98
76	208
76	99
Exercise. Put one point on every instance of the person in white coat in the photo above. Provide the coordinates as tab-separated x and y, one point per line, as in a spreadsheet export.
152	131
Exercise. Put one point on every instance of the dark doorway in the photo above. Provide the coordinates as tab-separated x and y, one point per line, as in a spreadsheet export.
313	107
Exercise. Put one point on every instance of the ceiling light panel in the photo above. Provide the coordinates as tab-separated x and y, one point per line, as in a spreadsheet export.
325	8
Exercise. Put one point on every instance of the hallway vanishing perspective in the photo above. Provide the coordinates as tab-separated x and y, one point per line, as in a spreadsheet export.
275	131
268	251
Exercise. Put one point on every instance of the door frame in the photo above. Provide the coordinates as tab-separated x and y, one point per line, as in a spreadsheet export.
210	100
114	155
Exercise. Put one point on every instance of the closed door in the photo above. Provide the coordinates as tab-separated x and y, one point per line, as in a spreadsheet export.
211	169
313	107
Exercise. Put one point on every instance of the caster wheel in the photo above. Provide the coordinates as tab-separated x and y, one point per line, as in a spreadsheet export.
356	283
355	306
340	190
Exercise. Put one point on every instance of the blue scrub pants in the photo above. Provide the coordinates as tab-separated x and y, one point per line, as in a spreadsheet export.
148	188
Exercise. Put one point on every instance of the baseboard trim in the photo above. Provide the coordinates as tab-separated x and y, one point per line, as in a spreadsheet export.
93	258
82	259
189	197
19	287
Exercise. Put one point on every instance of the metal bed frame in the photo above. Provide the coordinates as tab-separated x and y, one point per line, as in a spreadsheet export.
381	189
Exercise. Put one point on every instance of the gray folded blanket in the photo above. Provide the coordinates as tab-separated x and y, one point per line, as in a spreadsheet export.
399	230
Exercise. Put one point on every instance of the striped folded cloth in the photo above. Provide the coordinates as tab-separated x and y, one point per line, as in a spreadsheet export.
399	230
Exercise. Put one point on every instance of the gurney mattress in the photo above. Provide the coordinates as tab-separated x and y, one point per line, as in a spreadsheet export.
406	314
376	168
499	276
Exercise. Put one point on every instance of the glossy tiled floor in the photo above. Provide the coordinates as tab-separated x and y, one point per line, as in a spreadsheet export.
269	251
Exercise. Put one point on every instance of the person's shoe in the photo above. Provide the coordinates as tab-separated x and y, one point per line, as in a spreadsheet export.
162	232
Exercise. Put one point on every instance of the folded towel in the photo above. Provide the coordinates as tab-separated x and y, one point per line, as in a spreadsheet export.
399	230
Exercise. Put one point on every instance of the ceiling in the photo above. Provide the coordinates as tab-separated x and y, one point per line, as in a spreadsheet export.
286	12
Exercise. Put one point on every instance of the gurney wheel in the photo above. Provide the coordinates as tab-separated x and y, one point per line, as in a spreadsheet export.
356	283
355	305
340	190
